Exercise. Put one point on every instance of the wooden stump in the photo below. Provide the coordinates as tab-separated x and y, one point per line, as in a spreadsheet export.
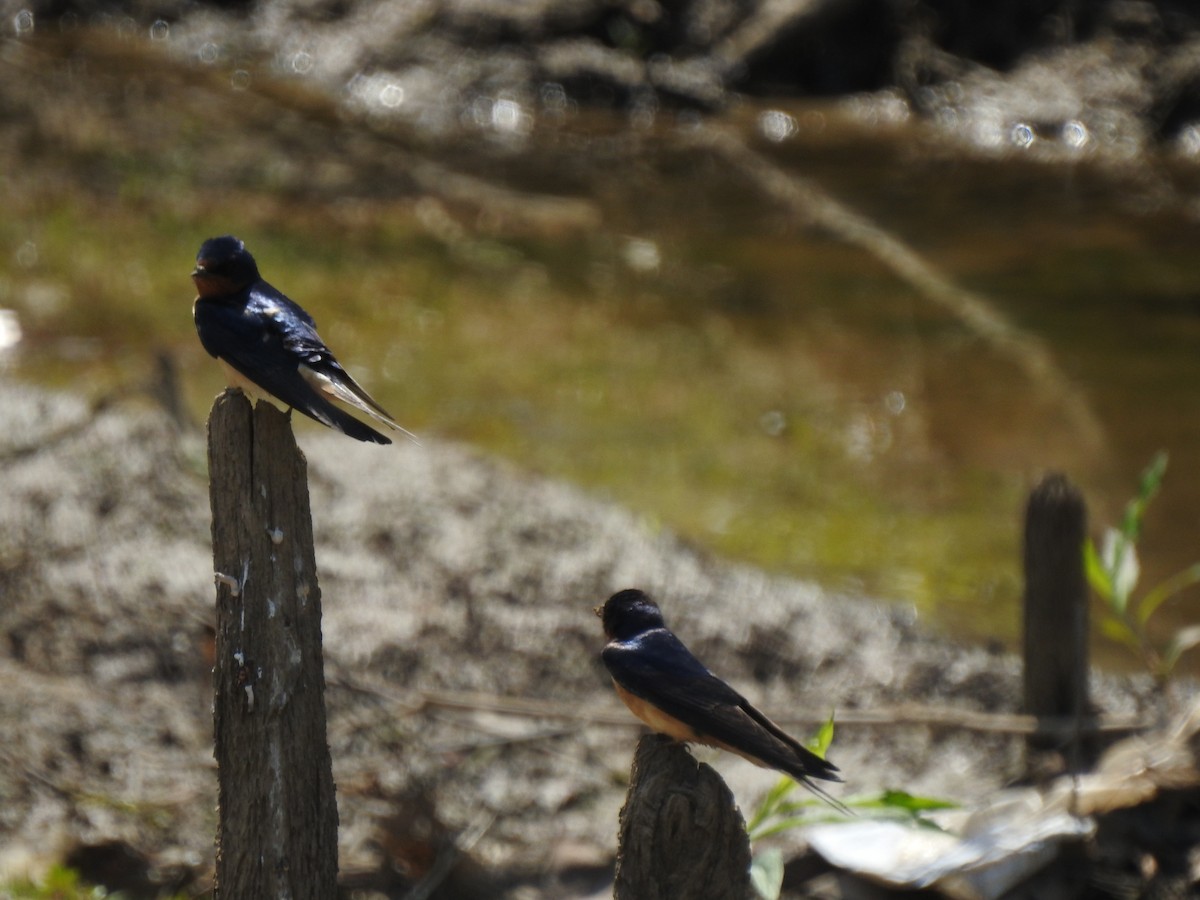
681	834
1056	615
277	834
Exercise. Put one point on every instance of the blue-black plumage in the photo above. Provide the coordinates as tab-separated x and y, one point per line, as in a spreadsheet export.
670	690
269	345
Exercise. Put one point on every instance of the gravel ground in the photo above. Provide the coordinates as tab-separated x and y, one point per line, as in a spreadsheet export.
465	691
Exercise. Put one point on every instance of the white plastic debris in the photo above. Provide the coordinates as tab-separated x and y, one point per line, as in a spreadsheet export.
982	854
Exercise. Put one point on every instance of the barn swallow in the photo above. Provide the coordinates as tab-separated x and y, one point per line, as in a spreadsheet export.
268	344
670	690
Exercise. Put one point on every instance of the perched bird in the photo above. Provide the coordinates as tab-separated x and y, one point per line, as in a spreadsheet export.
269	345
670	690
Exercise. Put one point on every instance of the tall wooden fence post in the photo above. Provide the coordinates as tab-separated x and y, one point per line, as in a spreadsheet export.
681	832
277	831
1056	615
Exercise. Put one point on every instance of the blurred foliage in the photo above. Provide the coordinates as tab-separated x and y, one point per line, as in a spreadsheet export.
777	813
59	883
1113	571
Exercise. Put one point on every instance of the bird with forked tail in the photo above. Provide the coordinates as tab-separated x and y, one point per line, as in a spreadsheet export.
670	690
269	345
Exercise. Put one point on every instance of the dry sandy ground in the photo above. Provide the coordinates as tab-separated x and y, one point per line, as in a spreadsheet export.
454	587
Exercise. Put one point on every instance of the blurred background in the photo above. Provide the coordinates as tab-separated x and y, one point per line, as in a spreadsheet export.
824	287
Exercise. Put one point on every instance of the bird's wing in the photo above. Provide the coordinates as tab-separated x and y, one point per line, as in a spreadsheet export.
254	338
659	669
328	377
317	364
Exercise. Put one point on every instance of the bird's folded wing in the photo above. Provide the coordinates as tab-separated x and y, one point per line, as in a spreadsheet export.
662	671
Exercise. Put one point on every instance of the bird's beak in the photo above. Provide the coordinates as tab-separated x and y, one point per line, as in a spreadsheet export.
599	611
200	269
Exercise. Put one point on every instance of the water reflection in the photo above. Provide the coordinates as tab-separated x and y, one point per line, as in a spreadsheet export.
554	99
773	422
641	255
776	126
391	95
27	255
22	22
507	116
1022	136
1075	134
301	62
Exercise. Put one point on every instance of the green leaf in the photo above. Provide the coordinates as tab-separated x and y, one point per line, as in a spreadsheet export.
770	804
1148	485
766	873
1097	575
901	801
1119	552
1184	640
905	800
819	742
1152	477
1119	556
1165	590
1118	630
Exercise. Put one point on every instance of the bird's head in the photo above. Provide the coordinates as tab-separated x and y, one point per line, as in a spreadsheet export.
223	266
628	613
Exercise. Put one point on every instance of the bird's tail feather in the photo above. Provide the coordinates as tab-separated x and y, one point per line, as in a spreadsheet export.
328	414
342	387
823	794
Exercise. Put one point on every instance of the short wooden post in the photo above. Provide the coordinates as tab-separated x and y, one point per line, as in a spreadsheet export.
1056	615
681	834
277	830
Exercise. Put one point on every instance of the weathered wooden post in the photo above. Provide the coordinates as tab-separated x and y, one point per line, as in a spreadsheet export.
277	830
681	834
1056	615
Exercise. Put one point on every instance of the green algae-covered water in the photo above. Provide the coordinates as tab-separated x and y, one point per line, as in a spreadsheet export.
830	348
